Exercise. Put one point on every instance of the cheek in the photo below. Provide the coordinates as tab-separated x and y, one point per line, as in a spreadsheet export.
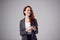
28	12
25	12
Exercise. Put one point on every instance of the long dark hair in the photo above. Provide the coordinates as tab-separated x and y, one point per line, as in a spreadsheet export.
32	14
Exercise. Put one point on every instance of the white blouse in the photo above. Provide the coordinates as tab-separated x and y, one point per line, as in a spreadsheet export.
27	25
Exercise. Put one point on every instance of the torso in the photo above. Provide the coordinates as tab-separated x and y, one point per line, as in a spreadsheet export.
27	24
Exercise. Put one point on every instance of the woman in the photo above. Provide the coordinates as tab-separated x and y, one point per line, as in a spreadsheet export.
28	25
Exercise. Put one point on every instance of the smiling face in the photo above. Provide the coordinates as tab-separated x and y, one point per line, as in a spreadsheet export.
27	11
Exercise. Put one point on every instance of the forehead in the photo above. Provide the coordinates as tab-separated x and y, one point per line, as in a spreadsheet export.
27	8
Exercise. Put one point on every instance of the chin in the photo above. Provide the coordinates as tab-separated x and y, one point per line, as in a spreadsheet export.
28	15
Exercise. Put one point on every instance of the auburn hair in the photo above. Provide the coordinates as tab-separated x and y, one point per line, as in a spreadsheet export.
32	14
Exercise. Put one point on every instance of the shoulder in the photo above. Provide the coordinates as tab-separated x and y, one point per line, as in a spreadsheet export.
35	22
22	20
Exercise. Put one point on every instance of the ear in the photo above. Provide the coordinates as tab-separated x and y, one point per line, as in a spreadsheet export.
24	11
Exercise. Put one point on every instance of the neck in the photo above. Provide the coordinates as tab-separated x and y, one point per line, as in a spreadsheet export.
27	18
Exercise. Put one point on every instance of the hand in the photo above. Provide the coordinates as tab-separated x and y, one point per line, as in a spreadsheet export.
34	28
29	28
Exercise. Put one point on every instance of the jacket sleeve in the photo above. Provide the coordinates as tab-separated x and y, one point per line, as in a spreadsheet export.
22	30
36	24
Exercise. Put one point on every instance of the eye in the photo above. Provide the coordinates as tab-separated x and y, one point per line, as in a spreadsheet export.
28	10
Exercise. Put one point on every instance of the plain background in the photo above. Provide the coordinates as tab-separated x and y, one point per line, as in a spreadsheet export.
46	12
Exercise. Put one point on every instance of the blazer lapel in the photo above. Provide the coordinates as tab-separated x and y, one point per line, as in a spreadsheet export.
24	23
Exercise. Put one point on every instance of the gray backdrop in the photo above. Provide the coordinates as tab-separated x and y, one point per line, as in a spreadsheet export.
46	12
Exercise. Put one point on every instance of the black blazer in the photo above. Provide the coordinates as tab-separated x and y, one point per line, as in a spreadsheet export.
23	33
